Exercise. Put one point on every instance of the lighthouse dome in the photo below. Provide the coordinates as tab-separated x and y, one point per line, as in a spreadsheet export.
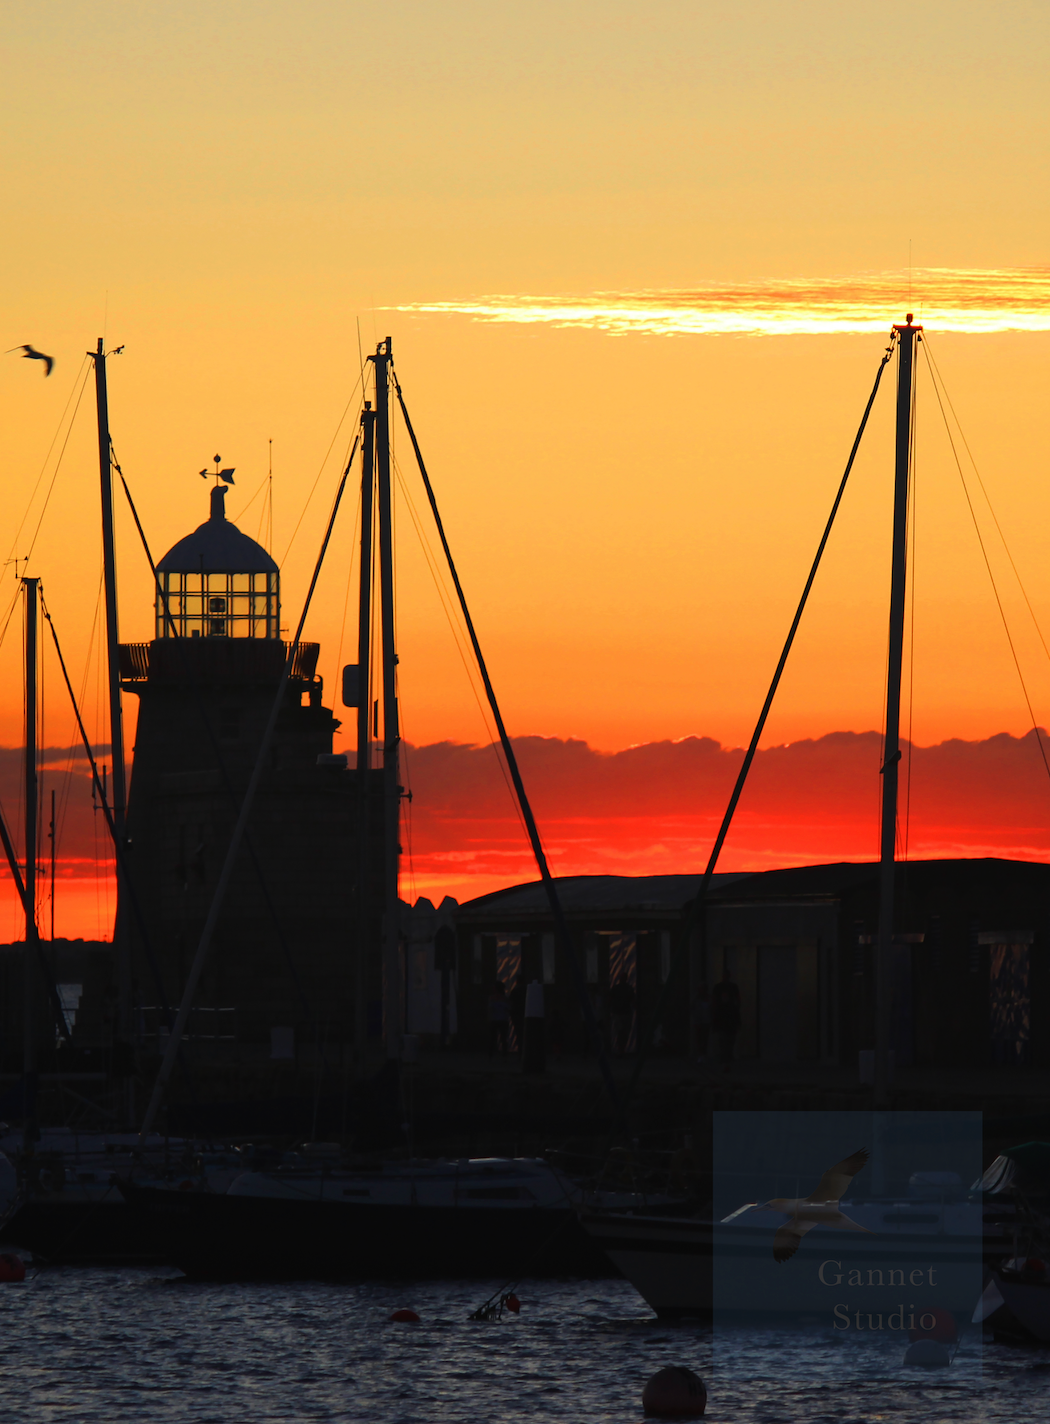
218	583
217	547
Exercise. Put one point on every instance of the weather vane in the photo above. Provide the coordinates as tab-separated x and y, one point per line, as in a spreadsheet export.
225	475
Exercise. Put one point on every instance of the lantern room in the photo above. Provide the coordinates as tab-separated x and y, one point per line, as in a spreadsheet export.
218	583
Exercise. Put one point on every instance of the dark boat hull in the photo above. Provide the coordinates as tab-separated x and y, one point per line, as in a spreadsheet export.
84	1234
220	1237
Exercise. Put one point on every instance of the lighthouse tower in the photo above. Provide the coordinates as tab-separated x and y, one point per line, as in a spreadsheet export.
281	963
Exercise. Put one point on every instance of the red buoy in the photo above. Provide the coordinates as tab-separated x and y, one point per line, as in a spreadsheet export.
12	1267
513	1303
405	1315
934	1323
675	1393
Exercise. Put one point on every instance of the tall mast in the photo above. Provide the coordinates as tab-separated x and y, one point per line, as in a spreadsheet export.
29	969
364	710
907	335
109	564
364	613
118	794
51	836
391	789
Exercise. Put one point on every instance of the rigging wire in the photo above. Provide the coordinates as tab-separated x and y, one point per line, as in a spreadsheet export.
118	842
85	371
561	927
457	631
991	575
67	774
346	599
987	498
245	508
320	469
695	914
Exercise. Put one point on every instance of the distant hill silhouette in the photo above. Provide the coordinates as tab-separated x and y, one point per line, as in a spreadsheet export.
654	808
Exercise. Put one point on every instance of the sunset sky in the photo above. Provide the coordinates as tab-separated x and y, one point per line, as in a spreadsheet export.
638	264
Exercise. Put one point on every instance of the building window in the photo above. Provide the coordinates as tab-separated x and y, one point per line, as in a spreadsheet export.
508	960
1010	1003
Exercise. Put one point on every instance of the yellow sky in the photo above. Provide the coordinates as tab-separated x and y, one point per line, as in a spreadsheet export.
228	190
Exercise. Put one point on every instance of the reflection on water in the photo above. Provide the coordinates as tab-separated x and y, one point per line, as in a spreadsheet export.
96	1345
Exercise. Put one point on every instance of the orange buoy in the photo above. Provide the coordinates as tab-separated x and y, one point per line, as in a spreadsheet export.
409	1315
513	1303
12	1267
934	1324
675	1393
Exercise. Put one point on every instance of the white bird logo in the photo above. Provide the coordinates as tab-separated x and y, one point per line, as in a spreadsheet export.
820	1208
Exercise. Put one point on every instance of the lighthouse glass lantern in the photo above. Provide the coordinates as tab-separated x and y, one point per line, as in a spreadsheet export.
218	583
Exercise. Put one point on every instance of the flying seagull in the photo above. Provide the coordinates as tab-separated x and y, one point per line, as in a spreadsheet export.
30	353
820	1208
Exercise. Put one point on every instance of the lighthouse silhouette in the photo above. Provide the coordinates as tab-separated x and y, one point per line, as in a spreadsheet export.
277	990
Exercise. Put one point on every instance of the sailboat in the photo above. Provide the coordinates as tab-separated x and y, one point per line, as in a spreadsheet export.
669	1260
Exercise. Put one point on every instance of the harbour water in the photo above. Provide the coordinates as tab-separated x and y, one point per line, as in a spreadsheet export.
100	1345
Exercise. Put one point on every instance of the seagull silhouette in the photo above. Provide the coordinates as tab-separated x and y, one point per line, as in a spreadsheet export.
820	1208
30	353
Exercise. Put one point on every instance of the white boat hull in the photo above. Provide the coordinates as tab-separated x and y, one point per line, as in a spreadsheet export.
691	1267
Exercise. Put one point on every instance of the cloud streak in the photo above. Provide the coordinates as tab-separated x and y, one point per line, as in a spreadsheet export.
970	301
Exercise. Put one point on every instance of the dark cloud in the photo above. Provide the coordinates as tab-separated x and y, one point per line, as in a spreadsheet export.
656	807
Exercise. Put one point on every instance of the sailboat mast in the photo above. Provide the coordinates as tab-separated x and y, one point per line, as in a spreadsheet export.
364	607
907	335
29	967
364	747
118	795
51	837
116	721
391	789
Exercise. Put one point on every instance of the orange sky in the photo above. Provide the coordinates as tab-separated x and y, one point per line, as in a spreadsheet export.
634	499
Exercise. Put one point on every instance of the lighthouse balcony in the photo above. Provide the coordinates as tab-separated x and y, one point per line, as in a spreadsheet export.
214	660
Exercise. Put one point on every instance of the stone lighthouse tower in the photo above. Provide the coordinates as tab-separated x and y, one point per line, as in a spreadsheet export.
280	974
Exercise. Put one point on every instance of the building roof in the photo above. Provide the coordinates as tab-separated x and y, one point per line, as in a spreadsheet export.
588	896
593	894
844	877
217	547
